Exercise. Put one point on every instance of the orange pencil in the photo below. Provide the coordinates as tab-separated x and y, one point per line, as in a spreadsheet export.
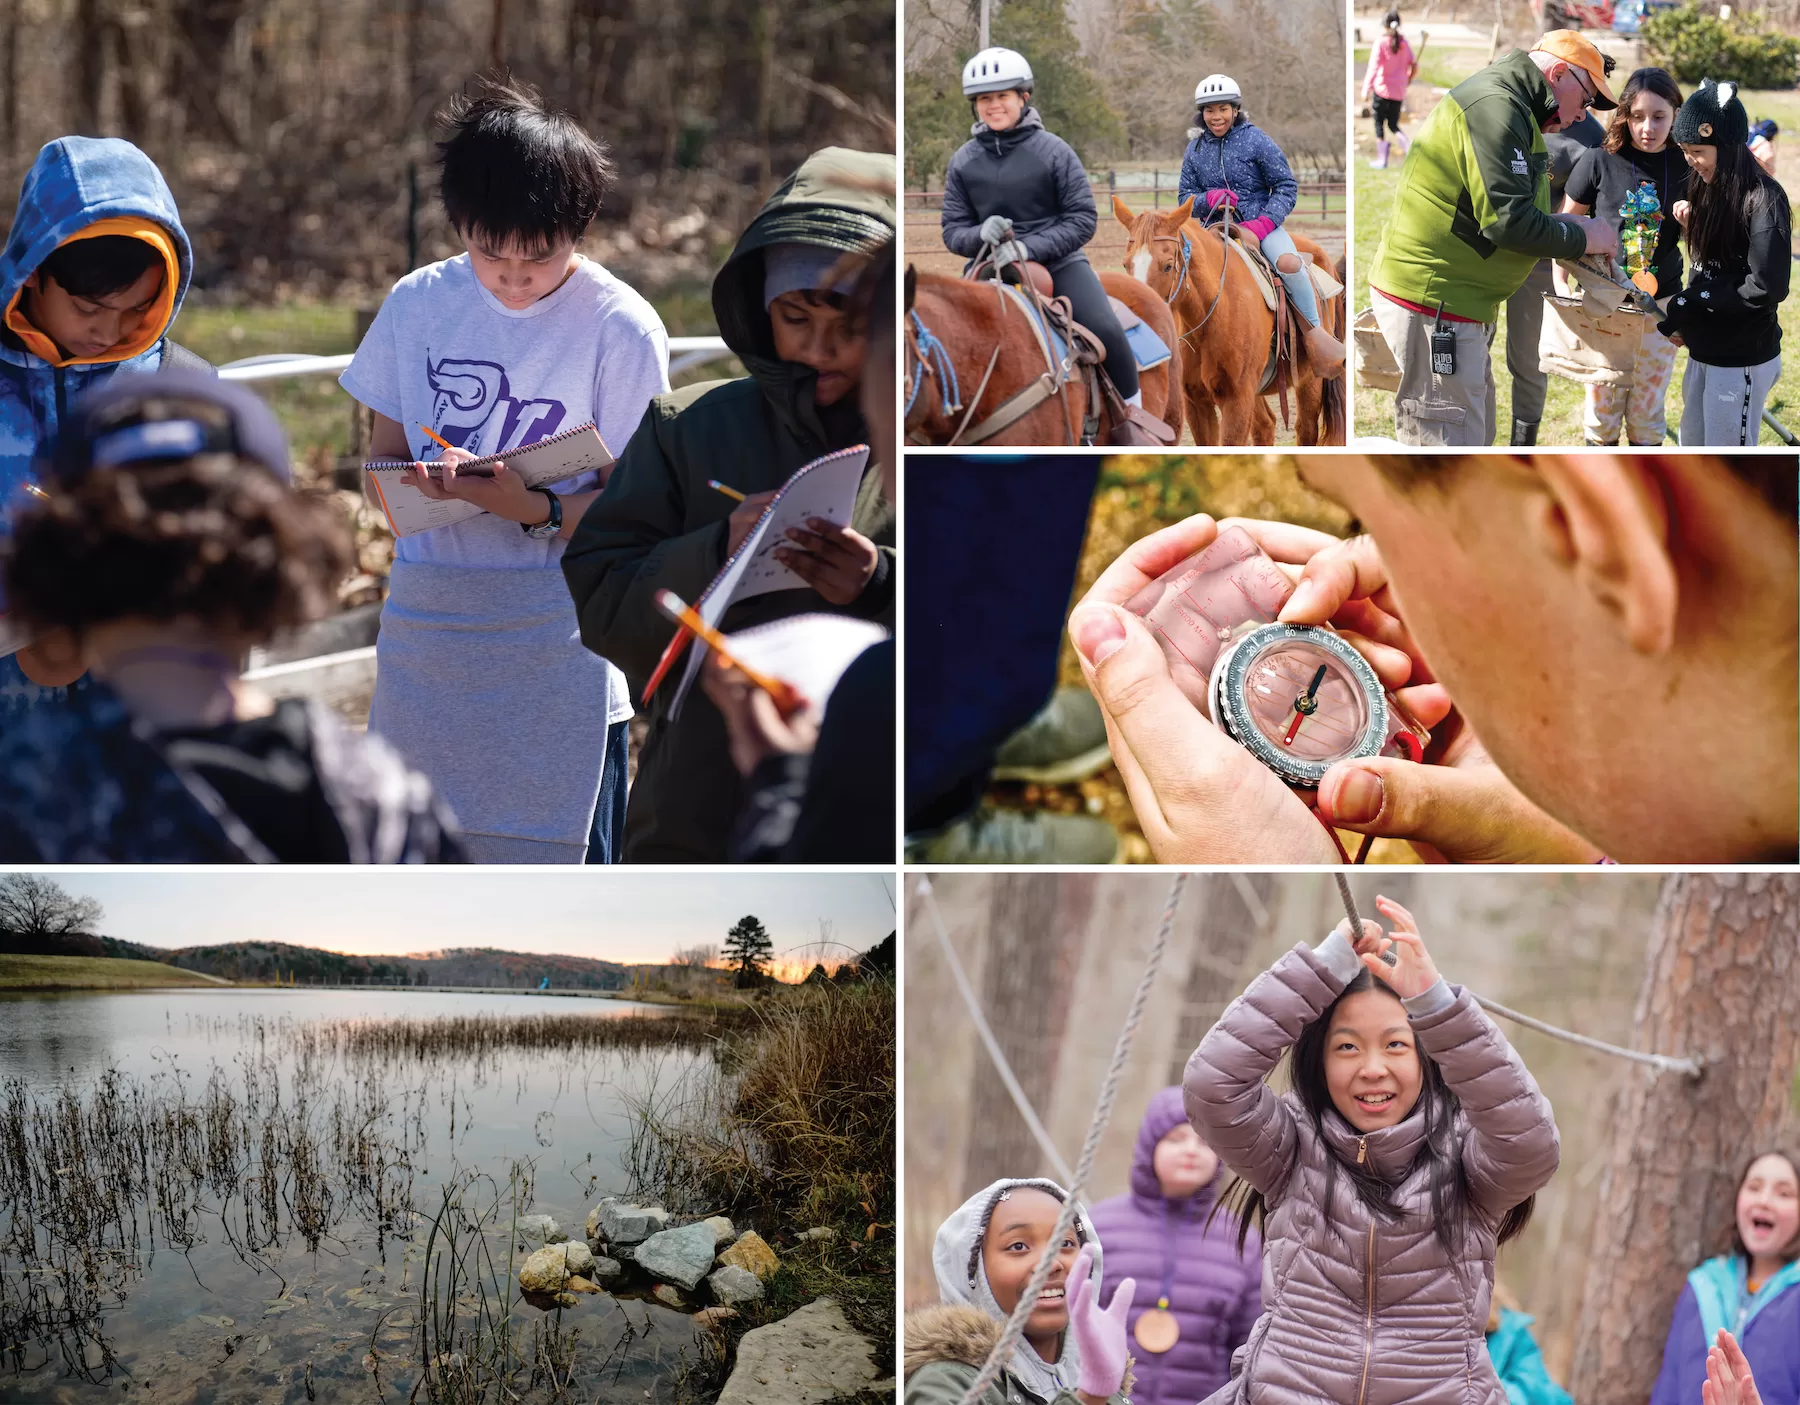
464	472
786	699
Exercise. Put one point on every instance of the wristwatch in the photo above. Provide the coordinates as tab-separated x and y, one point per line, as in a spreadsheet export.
551	525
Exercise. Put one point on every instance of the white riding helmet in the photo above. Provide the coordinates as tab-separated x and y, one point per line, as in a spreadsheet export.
1217	87
996	71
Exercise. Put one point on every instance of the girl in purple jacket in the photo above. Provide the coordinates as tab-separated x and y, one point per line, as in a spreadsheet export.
1408	1150
1752	1292
1201	1297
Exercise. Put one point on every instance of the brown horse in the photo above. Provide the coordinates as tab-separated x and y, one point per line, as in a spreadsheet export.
1226	328
951	331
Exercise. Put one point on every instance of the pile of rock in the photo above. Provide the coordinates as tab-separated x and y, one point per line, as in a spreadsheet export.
624	1238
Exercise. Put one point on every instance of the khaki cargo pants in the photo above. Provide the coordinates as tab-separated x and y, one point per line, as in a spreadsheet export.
1433	410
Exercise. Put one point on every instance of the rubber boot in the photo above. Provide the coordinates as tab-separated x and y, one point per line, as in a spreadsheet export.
1402	141
1325	352
1381	156
1524	432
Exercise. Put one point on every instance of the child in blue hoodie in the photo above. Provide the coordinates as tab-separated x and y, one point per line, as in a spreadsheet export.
92	276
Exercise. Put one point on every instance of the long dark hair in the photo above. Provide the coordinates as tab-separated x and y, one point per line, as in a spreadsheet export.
1790	1250
1720	210
1441	1151
1643	80
1392	19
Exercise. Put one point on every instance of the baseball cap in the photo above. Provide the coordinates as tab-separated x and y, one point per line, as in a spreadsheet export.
164	417
1571	48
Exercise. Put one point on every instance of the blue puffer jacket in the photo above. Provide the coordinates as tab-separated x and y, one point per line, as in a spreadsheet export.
74	182
1520	1365
1245	161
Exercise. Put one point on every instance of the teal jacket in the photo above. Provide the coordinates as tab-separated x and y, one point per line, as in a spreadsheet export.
1520	1365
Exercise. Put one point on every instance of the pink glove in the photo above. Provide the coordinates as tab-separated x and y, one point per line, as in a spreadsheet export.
1216	198
1099	1336
1262	227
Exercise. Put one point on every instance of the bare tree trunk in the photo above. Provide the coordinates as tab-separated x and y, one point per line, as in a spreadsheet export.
1026	991
90	64
1722	983
9	90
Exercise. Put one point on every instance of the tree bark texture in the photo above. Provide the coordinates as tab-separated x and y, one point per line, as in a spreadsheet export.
1722	984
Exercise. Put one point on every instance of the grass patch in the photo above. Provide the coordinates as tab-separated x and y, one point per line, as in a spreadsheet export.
795	1125
93	973
485	1036
1561	424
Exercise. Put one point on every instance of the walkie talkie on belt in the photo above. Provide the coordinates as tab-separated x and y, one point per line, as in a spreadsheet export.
1443	346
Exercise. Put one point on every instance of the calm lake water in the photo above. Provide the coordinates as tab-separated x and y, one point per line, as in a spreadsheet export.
208	1281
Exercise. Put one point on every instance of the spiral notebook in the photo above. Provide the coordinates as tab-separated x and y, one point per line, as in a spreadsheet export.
408	511
827	488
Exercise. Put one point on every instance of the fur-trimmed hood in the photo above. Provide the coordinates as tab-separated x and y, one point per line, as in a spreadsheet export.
960	1336
957	1334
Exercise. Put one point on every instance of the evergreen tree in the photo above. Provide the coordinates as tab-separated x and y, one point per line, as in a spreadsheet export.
748	947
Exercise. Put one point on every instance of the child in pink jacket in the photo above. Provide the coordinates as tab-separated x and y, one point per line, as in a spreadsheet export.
1391	67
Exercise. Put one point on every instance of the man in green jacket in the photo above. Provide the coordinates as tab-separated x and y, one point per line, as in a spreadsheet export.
1471	220
657	525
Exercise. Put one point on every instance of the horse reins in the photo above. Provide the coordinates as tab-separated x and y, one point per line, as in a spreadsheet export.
1187	258
930	357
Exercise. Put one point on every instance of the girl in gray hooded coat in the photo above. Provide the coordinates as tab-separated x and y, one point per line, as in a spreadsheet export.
1071	1353
1407	1152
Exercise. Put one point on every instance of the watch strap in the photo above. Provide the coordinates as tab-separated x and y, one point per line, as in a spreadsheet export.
551	525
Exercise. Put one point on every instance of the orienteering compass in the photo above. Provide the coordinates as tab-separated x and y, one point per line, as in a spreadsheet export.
1299	698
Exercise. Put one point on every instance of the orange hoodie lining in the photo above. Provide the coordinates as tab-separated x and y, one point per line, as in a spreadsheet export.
155	323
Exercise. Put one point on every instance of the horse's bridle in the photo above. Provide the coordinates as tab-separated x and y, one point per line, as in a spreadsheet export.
927	356
1187	258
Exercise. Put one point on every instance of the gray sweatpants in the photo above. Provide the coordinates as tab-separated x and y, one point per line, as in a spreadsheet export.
1432	410
1722	406
1524	330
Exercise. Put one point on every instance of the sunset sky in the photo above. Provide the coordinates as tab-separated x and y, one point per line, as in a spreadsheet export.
612	916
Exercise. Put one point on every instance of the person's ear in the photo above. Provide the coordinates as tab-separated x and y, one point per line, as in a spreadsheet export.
1603	517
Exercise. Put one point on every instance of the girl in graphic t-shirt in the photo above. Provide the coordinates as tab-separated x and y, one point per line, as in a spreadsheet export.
482	680
1632	181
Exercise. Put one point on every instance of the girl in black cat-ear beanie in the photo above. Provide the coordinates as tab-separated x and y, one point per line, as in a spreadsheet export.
1738	241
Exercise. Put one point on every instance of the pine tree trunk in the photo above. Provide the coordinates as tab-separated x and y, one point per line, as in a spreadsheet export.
1722	984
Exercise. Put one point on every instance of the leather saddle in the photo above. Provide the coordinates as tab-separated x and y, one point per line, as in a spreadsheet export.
1131	424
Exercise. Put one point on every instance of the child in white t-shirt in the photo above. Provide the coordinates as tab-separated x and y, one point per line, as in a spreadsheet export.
482	679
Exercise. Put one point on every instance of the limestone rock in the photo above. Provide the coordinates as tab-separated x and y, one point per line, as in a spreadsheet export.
579	1285
822	1232
723	1229
732	1285
752	1252
667	1296
680	1256
545	1270
711	1317
809	1356
548	1268
540	1229
620	1224
605	1270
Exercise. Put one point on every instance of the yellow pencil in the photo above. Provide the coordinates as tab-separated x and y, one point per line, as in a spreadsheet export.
786	698
719	487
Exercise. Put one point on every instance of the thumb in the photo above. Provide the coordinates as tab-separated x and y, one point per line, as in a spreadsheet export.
1120	1307
1470	814
1130	678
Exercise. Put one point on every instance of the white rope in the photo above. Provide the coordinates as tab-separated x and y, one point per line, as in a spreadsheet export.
1038	1132
1662	1063
1109	1088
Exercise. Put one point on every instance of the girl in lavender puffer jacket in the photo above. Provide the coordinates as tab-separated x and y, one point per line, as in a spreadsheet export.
1159	1235
1408	1150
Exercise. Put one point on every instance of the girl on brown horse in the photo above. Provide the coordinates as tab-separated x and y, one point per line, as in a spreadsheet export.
1232	164
1021	190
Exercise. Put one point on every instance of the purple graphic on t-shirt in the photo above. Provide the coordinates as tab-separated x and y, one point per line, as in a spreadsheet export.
472	395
